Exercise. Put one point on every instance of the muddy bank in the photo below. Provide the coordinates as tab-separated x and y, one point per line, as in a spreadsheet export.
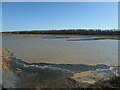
19	74
113	38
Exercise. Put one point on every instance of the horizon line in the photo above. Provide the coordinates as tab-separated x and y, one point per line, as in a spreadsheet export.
58	29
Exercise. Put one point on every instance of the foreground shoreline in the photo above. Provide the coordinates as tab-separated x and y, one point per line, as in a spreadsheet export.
46	75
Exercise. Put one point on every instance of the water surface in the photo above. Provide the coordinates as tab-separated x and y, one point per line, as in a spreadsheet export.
38	48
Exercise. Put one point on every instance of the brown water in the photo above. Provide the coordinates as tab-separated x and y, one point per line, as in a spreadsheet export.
40	49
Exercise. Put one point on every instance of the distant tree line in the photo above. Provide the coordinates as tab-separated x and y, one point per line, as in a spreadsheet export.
70	31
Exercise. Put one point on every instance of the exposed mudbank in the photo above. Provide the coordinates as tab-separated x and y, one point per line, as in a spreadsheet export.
79	38
87	39
56	37
20	74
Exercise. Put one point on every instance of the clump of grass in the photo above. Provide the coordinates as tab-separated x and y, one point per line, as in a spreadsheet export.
112	83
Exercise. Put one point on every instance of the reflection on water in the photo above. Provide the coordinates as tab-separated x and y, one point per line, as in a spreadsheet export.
41	49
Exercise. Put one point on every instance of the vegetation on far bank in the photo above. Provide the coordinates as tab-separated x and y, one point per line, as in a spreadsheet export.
69	32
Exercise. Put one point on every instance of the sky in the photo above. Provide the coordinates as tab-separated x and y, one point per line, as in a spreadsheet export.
18	16
60	0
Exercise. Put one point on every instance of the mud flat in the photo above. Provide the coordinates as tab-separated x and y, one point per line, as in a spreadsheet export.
55	37
19	74
113	38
